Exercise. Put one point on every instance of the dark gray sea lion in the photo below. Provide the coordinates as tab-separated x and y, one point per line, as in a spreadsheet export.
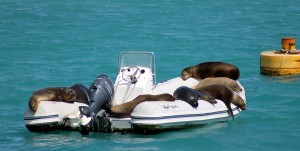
211	69
82	94
192	96
219	80
125	109
51	94
225	94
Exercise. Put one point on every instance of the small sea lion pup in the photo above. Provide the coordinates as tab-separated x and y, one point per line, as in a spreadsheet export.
225	94
211	69
219	80
51	94
192	96
125	109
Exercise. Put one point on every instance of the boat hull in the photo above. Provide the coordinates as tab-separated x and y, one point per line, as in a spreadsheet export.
136	76
164	115
53	115
179	114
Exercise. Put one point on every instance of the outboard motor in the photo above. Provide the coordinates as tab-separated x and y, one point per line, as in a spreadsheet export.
101	92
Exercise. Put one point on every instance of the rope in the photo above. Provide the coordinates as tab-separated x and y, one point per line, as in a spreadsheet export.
280	65
276	72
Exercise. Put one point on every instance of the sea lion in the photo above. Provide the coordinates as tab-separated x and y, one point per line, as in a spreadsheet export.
211	69
191	96
51	94
82	93
125	109
225	94
219	80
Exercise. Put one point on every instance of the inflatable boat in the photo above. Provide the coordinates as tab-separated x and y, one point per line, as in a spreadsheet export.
136	75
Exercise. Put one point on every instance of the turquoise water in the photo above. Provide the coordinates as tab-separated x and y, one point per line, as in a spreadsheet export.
59	43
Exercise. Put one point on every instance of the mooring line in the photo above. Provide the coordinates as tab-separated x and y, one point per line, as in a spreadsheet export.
276	72
280	65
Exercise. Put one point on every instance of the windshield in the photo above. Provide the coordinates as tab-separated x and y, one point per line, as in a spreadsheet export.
136	58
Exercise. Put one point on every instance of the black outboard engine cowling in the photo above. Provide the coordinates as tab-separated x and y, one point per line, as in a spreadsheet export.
101	92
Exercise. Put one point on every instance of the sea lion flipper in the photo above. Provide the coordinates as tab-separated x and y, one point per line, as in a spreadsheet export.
213	101
206	97
230	112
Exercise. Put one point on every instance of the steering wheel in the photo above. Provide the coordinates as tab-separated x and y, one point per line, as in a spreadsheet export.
131	74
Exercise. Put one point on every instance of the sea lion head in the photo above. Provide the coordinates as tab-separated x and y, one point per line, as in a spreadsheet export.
33	104
186	73
237	88
239	102
186	94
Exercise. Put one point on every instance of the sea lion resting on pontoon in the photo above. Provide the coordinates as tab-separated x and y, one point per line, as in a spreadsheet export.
192	96
76	93
225	94
125	109
211	69
219	80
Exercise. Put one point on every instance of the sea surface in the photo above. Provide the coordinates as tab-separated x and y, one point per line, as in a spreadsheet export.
63	42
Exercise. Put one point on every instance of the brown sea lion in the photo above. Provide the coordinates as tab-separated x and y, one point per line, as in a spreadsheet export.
51	94
225	94
211	69
192	96
125	109
219	80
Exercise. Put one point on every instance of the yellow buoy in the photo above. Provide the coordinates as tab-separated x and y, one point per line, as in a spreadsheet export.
281	62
